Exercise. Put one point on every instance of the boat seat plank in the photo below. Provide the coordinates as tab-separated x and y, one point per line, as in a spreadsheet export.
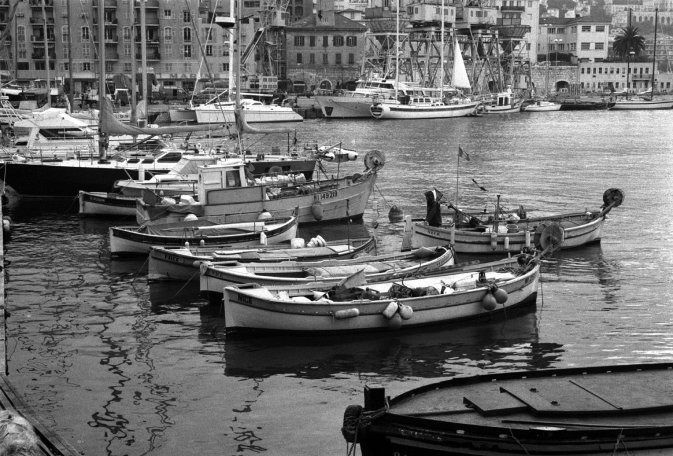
493	402
631	396
551	398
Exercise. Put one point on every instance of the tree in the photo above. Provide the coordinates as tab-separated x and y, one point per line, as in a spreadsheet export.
629	40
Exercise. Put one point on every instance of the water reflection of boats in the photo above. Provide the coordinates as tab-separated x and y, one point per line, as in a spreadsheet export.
503	344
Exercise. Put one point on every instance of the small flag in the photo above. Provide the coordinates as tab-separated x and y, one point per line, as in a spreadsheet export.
462	153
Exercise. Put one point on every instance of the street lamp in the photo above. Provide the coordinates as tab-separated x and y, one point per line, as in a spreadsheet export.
557	40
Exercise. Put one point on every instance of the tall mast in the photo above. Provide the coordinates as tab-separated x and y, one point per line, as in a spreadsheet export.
46	51
232	5
134	66
441	59
71	86
102	136
654	52
397	48
143	58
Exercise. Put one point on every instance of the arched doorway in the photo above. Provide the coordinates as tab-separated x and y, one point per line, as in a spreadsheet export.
562	87
325	84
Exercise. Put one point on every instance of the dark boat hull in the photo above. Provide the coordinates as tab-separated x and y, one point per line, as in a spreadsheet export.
599	411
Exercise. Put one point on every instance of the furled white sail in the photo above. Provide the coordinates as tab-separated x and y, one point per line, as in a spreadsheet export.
459	78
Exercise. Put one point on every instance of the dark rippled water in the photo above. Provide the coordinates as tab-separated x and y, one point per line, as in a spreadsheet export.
119	367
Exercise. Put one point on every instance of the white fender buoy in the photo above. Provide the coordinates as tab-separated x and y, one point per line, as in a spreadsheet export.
528	239
390	310
320	241
494	241
453	234
203	267
317	210
406	312
202	243
407	223
190	218
297	243
346	313
506	242
489	303
264	215
262	238
186	244
500	296
395	322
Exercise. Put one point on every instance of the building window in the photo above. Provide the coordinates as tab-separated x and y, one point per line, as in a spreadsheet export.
186	16
21	33
225	67
64	34
86	66
586	28
338	40
168	67
187	50
337	59
168	50
85	33
109	67
127	67
86	50
299	41
325	41
187	34
209	50
325	60
299	57
311	58
599	46
168	34
311	41
66	52
187	67
600	28
586	46
168	14
351	59
351	41
127	50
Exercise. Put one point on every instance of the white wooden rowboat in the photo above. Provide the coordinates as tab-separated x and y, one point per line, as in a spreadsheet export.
444	298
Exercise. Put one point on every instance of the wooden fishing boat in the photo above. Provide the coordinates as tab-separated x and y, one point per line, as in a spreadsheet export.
137	240
225	194
451	295
214	277
182	263
470	234
589	411
107	204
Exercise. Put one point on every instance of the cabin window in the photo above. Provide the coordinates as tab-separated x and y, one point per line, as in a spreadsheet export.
233	179
148	160
171	157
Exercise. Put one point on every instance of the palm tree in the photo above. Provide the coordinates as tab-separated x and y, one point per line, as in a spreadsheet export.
629	40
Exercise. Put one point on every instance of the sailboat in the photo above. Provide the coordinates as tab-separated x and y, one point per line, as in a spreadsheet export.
421	106
646	101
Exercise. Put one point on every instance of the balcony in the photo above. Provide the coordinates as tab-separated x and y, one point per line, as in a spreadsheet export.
513	8
511	30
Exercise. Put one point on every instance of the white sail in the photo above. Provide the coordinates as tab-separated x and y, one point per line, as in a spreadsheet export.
459	77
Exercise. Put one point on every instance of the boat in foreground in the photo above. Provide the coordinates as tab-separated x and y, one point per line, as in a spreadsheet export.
468	234
182	263
633	104
137	240
450	295
325	273
589	411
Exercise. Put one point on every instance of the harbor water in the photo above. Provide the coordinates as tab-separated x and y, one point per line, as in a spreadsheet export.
118	366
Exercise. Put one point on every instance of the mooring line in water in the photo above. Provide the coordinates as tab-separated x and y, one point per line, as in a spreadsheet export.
198	271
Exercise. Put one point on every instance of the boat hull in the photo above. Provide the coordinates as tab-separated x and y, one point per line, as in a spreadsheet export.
109	204
502	109
343	202
400	111
268	113
244	310
344	107
593	411
578	231
633	105
65	178
183	263
214	278
128	241
542	107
